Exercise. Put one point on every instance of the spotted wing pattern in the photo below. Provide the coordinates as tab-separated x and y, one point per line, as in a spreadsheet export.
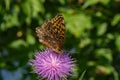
52	33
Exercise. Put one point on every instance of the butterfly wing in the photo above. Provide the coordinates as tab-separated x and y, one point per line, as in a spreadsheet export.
44	34
52	33
58	28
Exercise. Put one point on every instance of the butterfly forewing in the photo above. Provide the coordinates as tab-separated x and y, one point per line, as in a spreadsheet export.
59	29
52	33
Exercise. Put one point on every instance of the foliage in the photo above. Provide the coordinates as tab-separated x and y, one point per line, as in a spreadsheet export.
92	35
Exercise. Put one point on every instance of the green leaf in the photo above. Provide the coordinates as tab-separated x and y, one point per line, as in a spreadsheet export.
11	20
89	3
93	2
116	75
110	36
105	2
91	63
117	42
30	39
84	42
75	71
81	77
7	4
17	44
101	29
62	1
104	53
78	23
37	6
26	7
116	19
107	69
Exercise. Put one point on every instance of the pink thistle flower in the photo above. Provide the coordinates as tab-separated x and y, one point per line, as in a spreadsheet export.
52	66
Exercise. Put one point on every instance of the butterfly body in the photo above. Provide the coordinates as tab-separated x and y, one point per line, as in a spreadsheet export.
52	33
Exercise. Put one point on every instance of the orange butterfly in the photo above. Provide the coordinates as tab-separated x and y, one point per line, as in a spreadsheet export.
52	33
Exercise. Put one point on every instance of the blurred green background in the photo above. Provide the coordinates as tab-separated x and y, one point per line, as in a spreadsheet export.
92	36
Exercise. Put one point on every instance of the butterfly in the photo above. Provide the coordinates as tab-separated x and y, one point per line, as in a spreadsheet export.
52	33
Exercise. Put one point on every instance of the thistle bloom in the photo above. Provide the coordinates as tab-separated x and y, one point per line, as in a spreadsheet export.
52	66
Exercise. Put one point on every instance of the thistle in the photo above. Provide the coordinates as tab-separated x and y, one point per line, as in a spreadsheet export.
52	66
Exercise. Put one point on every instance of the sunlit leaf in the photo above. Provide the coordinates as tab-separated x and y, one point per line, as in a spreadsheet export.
26	7
91	63
107	69
37	7
116	75
116	19
78	23
75	71
30	38
117	43
7	4
11	21
104	54
105	1
110	36
18	43
62	1
90	2
101	29
84	42
93	2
